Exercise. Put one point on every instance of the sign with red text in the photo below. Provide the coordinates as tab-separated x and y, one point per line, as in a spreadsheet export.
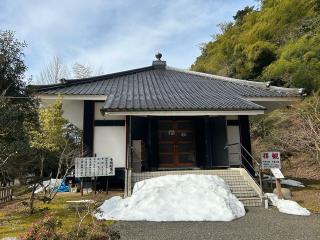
270	160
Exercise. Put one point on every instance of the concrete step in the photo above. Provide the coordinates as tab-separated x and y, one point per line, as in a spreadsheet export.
239	185
237	182
239	194
250	201
232	177
238	189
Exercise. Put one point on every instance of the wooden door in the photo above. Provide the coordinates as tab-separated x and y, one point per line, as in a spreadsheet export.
176	143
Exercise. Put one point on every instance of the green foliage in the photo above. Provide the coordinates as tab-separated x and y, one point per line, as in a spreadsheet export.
242	13
279	42
12	66
298	63
17	108
55	141
50	134
16	155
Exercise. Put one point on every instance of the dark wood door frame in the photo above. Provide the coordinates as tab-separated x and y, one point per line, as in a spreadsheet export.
176	143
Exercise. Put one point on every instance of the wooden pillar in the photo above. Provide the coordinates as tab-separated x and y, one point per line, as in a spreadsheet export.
208	142
278	188
88	128
149	145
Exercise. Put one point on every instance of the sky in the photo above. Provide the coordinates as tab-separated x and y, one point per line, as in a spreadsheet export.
115	35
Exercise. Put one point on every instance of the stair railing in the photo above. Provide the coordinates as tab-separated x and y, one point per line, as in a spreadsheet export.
243	157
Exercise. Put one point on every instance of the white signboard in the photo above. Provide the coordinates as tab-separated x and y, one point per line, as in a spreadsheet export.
94	167
270	160
277	173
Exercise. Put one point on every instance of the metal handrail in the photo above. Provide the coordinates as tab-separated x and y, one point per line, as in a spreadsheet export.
248	162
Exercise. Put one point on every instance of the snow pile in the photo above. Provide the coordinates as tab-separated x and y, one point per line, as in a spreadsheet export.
49	185
175	198
287	206
292	183
288	182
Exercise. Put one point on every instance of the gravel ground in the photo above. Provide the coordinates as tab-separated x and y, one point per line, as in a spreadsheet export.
258	223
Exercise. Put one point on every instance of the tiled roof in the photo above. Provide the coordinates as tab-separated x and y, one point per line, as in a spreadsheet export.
157	88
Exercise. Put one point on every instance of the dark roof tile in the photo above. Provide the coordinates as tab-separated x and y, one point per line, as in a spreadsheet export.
169	89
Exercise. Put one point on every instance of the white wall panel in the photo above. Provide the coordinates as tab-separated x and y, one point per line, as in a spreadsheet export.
72	110
233	135
111	142
99	116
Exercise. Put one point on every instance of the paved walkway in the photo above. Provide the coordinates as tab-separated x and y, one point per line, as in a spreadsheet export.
258	223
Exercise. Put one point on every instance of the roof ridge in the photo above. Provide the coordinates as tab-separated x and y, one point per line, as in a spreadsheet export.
109	75
71	82
240	81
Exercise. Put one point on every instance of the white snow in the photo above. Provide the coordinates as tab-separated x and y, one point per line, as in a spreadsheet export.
49	184
175	198
291	182
287	206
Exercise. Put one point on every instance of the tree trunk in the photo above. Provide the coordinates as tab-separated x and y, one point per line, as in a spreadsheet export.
31	206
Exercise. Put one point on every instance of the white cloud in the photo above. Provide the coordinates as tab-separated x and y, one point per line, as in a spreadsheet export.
115	35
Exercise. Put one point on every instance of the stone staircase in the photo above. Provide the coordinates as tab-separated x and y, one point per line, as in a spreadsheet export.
240	182
243	187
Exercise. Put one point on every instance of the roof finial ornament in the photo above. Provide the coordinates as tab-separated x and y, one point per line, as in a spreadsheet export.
159	56
158	63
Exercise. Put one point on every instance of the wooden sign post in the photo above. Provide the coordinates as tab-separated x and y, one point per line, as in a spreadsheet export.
278	175
271	160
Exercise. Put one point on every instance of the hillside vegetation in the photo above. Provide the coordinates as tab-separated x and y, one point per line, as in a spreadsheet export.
279	42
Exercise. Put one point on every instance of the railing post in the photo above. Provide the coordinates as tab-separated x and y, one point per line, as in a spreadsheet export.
248	163
260	181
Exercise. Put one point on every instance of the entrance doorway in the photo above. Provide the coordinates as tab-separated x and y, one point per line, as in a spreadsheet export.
176	143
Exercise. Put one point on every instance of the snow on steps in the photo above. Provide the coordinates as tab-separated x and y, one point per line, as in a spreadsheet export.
240	182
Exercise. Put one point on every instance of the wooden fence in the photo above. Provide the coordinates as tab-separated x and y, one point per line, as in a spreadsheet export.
5	194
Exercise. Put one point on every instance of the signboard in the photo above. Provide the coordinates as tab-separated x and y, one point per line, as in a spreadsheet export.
270	160
277	173
94	167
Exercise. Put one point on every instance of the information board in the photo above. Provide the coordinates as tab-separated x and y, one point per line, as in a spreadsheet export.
270	160
277	173
94	167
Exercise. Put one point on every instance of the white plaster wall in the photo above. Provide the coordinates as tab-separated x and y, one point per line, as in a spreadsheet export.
111	142
232	117
99	116
72	110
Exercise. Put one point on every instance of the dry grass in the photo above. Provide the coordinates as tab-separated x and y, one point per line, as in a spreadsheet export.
15	218
308	197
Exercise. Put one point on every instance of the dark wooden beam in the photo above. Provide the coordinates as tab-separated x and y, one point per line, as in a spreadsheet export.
88	128
99	123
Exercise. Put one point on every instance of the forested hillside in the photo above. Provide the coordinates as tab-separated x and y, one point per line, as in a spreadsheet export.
279	42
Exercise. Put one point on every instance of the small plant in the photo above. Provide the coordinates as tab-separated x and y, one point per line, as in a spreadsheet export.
50	229
45	229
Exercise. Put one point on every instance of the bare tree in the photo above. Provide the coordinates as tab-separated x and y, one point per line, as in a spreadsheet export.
82	71
294	131
53	72
56	70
